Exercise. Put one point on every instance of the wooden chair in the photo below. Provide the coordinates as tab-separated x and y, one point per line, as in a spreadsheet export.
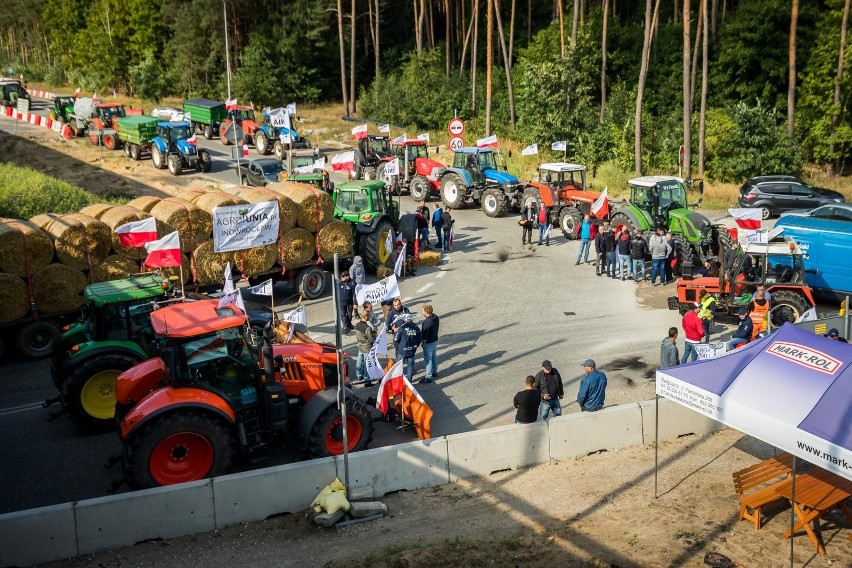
756	477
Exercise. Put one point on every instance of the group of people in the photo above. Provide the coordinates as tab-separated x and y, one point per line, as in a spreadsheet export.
442	222
544	391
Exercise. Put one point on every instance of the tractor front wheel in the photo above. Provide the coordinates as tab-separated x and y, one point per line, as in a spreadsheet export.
492	202
326	437
373	247
261	143
277	149
683	252
205	163
530	195
787	306
94	139
181	446
127	149
369	172
569	219
134	151
175	166
158	158
111	142
89	391
453	191
419	188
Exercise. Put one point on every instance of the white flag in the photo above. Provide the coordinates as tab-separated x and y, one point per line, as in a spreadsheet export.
384	128
809	315
229	280
380	345
297	316
547	231
389	241
401	139
384	289
488	142
284	138
530	150
233	297
264	289
559	146
392	169
424	136
400	263
291	108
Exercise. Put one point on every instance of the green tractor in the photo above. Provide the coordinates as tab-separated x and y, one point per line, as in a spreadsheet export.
62	108
305	159
374	217
661	201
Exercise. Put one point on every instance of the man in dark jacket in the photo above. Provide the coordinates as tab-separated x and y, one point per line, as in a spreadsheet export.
407	339
396	310
611	254
346	299
669	356
743	332
447	223
638	250
549	382
592	388
528	402
429	333
622	242
365	335
600	248
527	222
437	224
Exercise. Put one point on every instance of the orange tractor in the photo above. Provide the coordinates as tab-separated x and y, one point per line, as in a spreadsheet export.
182	416
104	119
244	121
561	187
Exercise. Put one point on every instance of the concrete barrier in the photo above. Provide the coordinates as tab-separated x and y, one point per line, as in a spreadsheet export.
256	495
675	420
580	434
409	466
164	512
482	452
38	535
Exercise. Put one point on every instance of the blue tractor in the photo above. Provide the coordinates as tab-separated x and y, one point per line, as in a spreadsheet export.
476	177
174	147
268	137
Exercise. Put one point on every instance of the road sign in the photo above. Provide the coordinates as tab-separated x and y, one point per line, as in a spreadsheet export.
23	105
456	142
456	127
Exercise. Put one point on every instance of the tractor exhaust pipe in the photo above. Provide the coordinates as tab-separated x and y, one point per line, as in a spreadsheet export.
275	403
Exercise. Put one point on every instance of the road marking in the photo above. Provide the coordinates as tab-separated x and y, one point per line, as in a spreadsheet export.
426	287
439	275
406	300
21	408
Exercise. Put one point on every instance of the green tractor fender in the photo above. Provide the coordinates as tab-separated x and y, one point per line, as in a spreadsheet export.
368	227
312	410
691	224
639	218
99	348
75	335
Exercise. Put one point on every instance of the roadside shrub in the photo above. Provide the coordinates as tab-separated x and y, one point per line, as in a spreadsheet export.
25	192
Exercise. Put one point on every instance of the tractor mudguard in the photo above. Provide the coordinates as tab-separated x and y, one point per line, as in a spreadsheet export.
690	224
796	289
639	220
266	130
309	413
168	398
544	193
98	348
160	144
135	383
464	174
368	227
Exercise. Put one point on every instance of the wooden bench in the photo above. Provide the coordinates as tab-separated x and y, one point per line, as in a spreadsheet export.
755	478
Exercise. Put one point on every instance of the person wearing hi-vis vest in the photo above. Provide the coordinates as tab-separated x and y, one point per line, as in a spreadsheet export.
708	304
758	309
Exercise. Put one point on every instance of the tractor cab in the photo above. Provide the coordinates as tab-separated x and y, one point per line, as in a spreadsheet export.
108	112
375	147
474	161
359	201
10	92
243	113
63	107
303	162
562	175
410	150
175	135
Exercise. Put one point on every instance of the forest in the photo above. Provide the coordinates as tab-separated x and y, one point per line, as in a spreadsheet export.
746	86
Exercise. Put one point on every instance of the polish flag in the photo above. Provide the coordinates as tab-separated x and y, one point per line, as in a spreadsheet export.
600	208
192	140
77	91
344	161
245	150
392	384
231	104
164	252
490	142
359	132
747	218
137	233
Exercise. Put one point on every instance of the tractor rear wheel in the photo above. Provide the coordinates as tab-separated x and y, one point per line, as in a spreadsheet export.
181	446
205	163
419	188
311	283
94	139
127	149
620	219
369	172
175	166
261	143
391	181
787	306
492	202
569	219
326	436
453	191
157	157
134	151
531	194
208	131
89	391
37	338
111	142
373	247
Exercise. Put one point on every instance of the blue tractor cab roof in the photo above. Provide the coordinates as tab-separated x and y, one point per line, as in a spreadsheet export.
173	124
473	150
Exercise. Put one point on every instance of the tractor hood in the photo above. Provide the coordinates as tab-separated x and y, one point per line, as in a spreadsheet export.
500	177
185	148
695	226
290	132
426	167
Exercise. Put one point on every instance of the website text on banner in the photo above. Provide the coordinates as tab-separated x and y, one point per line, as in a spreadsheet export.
240	227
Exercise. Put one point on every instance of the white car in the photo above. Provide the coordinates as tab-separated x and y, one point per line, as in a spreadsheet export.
167	113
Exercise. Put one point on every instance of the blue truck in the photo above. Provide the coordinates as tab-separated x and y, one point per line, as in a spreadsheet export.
825	236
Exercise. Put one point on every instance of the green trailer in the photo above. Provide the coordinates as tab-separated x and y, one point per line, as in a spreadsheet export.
205	115
136	132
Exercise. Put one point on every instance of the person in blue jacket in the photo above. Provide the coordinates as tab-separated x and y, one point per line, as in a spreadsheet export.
592	388
743	332
407	339
585	240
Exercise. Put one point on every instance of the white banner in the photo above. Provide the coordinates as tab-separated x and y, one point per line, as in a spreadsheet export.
380	345
384	128
240	227
297	316
424	136
710	350
760	236
284	138
392	169
291	108
264	289
279	118
399	267
385	289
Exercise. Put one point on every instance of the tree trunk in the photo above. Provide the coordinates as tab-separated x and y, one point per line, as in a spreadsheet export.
431	25
835	119
714	8
705	44
791	76
603	59
507	63
344	88
448	36
676	11
489	63
561	14
370	26
574	23
512	33
417	43
352	21
473	55
687	111
466	42
640	90
693	80
378	40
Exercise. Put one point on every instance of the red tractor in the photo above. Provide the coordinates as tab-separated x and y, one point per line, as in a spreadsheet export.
417	173
561	187
104	118
246	124
183	415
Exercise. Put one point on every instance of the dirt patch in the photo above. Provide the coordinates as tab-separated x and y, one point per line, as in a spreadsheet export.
595	511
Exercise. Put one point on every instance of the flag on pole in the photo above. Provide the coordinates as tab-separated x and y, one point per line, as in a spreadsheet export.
343	161
380	345
560	146
245	150
291	108
359	132
137	233
399	267
424	136
384	128
77	91
232	297
229	280
452	236
164	252
747	218
391	385
600	207
548	230
192	140
263	289
296	316
231	104
489	142
401	139
284	137
530	150
809	315
389	241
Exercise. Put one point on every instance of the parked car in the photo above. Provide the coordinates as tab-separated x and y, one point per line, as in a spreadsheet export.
777	193
258	173
835	212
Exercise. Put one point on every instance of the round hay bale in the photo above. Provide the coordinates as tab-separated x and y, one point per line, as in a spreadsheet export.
43	220
430	258
192	195
81	241
13	294
96	210
114	267
118	216
24	248
257	260
383	271
315	207
193	224
56	288
209	265
336	237
144	202
286	208
298	247
212	199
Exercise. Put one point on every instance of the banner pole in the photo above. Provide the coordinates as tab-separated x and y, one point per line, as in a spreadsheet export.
341	390
656	441
182	292
272	301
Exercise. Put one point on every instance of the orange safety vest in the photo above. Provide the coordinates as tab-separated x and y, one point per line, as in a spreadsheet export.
760	318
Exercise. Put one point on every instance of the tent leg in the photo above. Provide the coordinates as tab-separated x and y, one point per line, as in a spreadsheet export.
656	441
792	510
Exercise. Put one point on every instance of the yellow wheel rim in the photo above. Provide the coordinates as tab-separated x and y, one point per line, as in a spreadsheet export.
384	253
98	395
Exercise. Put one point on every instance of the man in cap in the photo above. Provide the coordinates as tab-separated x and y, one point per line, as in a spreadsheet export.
549	382
346	297
592	388
693	330
406	339
743	332
834	334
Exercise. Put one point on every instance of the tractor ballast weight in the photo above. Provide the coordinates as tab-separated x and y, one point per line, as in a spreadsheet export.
205	115
172	148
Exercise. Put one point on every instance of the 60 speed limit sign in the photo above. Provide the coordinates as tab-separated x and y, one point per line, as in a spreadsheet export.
455	143
456	127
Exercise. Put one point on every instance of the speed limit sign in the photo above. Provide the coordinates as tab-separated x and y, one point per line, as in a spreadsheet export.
456	142
456	127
